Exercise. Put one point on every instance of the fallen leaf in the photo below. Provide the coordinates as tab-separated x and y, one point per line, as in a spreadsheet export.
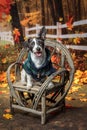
7	116
69	98
85	55
4	60
77	40
0	92
83	99
68	106
75	88
7	110
4	85
82	94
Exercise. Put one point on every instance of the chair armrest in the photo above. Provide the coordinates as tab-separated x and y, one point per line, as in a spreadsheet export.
12	91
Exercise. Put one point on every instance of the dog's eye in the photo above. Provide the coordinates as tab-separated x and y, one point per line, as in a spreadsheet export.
32	44
41	43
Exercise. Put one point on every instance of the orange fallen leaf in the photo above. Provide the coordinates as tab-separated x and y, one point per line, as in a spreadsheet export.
83	99
69	98
82	94
85	55
4	91
4	60
7	46
7	110
0	92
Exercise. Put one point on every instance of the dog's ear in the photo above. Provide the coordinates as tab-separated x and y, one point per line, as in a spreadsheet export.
26	44
42	33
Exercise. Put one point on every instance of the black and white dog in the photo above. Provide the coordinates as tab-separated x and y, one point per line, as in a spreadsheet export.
38	64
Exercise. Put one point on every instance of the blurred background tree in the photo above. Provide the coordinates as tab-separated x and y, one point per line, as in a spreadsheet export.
44	12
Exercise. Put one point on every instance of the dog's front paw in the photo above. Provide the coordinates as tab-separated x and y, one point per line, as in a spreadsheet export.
29	86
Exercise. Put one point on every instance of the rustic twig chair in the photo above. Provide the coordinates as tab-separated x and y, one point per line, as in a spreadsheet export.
41	99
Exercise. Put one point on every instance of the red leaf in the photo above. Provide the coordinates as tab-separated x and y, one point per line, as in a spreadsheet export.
70	22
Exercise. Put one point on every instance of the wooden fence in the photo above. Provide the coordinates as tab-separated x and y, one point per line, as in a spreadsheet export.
58	27
6	36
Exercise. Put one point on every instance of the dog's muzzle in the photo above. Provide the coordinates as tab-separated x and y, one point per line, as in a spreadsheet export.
38	52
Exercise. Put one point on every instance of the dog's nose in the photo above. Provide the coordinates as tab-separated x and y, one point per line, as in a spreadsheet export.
38	48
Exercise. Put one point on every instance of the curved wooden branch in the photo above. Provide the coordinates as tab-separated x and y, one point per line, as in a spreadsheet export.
12	93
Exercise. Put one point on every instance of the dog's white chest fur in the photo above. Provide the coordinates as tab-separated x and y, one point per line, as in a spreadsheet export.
38	62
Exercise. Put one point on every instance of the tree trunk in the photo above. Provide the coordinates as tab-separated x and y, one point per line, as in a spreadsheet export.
52	10
58	9
15	20
43	12
79	9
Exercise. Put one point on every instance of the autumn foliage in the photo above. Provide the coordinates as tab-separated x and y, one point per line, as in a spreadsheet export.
5	8
31	19
70	22
16	35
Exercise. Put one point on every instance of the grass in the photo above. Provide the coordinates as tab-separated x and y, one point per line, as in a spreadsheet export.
3	42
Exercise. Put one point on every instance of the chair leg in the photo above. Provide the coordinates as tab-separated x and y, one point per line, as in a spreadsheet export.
43	115
11	102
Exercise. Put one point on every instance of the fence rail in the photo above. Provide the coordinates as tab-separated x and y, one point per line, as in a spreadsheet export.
58	27
6	36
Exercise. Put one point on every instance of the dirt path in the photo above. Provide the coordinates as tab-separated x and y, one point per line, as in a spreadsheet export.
74	118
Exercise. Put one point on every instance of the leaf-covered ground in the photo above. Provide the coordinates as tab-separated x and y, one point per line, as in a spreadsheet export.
76	101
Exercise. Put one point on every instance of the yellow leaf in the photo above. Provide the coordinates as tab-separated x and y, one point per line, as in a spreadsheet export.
73	56
7	116
75	88
85	55
4	91
76	80
8	18
77	40
4	85
60	19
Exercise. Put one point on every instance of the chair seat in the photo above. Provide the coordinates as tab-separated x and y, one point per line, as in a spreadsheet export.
23	87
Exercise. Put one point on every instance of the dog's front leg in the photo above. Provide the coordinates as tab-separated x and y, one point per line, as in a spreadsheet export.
23	76
29	81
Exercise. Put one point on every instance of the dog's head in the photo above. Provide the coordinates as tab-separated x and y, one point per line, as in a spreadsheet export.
36	45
